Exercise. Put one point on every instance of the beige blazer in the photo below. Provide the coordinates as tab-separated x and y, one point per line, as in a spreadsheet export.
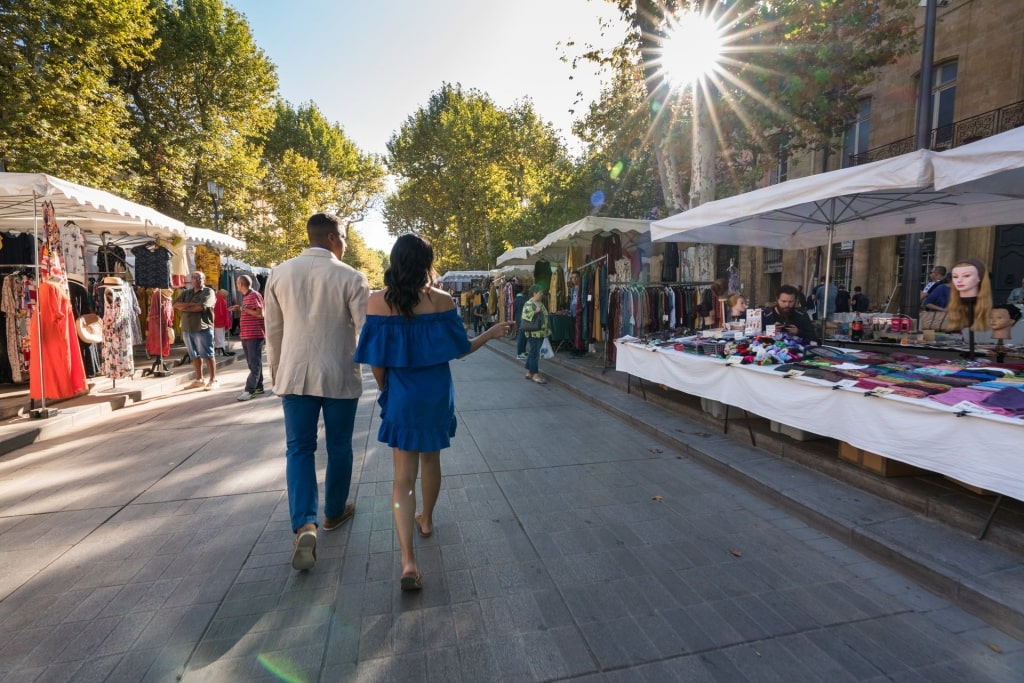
315	307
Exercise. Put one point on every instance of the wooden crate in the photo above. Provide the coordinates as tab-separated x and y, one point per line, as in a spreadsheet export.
886	467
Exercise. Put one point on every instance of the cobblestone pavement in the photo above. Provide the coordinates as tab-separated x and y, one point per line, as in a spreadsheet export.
568	545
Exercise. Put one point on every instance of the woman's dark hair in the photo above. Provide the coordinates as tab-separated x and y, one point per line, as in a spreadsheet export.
412	261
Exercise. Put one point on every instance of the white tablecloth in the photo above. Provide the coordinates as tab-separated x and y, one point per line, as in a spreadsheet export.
986	451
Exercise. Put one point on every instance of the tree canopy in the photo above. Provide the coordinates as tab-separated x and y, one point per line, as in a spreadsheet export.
60	109
468	171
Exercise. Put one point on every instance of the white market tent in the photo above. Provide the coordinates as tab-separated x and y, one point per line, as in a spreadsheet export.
462	276
518	256
213	239
585	228
95	211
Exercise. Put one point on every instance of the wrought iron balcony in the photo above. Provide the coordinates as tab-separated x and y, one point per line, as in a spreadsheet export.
955	134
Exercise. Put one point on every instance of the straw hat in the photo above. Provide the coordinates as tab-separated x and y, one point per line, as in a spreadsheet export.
90	328
111	282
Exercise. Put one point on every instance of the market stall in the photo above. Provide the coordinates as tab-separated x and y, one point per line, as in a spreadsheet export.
964	442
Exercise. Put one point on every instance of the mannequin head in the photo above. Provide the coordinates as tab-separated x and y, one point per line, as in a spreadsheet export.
974	285
1001	319
737	305
967	279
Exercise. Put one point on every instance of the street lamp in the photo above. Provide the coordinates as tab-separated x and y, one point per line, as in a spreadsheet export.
216	192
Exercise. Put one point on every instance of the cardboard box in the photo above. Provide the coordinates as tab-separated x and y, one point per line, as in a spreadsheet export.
877	463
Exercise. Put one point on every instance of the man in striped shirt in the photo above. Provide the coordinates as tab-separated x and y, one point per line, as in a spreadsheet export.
252	332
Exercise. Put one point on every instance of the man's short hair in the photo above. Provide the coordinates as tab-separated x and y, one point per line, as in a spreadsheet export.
245	280
941	270
787	289
857	288
320	225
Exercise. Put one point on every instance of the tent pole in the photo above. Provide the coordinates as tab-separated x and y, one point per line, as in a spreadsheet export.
828	280
42	411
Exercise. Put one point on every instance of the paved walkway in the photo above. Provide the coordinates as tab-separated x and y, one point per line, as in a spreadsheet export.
569	543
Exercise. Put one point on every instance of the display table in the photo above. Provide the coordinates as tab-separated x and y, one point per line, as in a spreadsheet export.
561	330
984	450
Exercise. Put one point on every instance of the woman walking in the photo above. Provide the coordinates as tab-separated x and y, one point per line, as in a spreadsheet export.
412	331
536	322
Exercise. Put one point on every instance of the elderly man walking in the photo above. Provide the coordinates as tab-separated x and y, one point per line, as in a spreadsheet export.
315	307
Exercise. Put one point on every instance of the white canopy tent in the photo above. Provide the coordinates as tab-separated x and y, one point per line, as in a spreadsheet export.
92	210
585	228
213	239
518	256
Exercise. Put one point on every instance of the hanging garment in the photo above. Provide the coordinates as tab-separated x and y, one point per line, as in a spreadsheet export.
152	266
179	263
160	321
72	244
13	305
118	359
110	259
208	261
54	343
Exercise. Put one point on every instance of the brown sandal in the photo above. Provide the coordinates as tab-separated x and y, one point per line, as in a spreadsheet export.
412	582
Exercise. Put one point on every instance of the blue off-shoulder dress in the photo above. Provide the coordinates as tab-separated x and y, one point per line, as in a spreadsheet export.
417	403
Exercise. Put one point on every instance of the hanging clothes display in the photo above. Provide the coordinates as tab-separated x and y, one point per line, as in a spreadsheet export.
179	262
54	345
16	301
208	261
72	244
110	260
152	265
81	304
118	358
160	323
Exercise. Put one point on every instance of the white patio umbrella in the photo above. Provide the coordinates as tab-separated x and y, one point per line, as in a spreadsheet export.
888	197
994	165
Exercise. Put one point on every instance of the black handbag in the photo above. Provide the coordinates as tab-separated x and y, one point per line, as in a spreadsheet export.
534	325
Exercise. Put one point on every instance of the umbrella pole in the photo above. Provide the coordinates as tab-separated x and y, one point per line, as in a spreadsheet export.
828	280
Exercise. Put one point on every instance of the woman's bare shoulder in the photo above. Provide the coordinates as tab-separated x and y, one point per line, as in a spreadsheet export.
376	305
440	300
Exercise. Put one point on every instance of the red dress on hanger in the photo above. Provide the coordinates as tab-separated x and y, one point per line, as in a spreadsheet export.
63	371
161	320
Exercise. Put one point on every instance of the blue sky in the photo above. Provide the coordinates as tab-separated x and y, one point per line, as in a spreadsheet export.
370	65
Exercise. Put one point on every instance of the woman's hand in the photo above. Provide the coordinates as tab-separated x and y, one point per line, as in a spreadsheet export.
505	328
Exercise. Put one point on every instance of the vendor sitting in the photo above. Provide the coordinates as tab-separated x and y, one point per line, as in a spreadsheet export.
784	316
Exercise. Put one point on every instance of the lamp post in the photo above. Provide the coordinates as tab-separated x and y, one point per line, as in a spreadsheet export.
216	192
910	293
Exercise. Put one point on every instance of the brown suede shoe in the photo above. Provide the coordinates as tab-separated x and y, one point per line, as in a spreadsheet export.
332	523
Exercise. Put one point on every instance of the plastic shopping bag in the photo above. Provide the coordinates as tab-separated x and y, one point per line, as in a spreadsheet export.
545	349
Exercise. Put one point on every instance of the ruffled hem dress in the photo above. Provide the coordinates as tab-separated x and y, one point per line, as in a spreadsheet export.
417	402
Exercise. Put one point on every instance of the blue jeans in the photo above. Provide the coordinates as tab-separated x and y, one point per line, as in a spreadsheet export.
533	355
254	360
301	416
520	343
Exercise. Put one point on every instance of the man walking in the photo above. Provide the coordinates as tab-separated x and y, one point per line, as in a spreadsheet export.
315	309
196	306
252	332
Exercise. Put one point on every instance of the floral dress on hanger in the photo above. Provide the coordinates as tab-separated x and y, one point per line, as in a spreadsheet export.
118	358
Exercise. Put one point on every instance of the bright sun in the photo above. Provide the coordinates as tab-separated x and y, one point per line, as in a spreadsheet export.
691	48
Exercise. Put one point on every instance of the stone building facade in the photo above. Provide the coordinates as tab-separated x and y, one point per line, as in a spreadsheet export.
978	92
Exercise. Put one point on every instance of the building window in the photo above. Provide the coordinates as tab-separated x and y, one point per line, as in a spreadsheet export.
773	260
780	173
943	104
927	257
855	139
